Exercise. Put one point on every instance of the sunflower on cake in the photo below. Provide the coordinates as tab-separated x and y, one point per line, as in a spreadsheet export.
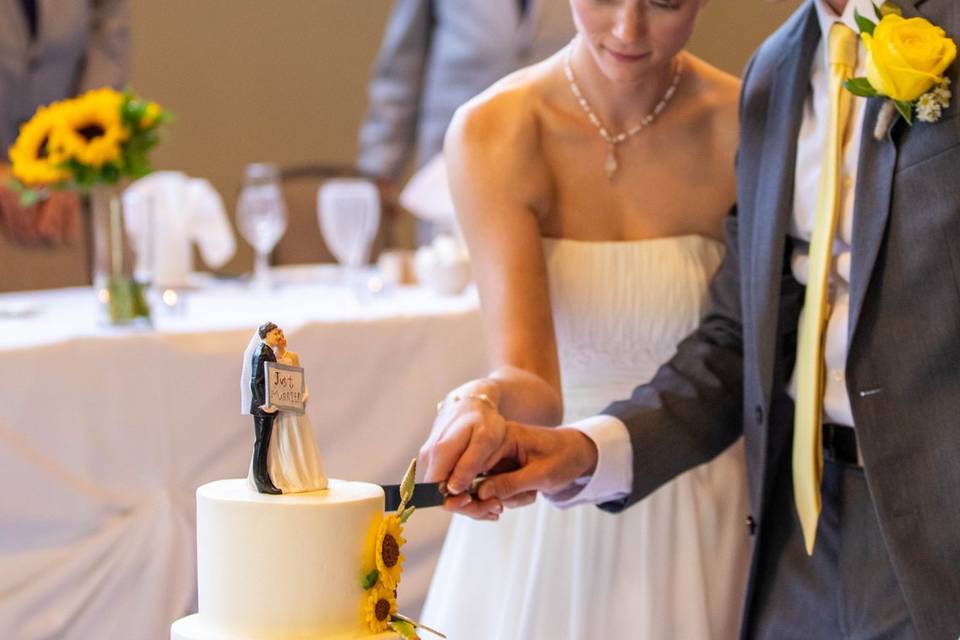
286	553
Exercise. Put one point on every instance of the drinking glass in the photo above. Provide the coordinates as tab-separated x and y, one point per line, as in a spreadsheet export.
348	210
261	216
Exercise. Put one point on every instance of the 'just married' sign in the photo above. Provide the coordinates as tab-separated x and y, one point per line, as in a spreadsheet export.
285	387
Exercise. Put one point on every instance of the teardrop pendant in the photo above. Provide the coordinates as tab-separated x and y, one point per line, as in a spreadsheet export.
610	166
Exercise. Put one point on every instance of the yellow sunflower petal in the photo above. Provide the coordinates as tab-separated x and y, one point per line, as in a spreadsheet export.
32	158
93	131
389	558
379	607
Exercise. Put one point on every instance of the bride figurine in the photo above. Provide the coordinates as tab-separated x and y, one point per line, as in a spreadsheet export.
285	455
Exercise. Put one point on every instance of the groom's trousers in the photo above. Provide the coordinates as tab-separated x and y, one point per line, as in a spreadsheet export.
847	589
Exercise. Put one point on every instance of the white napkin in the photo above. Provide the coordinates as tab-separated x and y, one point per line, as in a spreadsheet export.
427	195
165	214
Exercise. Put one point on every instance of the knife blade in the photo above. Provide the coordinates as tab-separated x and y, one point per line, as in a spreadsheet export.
425	494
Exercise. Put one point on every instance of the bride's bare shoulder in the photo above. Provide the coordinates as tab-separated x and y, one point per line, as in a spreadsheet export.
505	116
495	137
717	89
718	97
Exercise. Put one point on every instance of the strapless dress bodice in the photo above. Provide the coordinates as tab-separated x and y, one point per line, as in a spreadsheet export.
620	308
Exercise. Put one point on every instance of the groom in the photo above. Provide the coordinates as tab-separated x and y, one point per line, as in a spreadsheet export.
870	546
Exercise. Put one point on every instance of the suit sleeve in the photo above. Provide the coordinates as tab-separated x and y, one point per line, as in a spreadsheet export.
389	130
106	62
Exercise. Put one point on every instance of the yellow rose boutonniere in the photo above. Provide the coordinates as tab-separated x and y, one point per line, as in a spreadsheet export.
906	61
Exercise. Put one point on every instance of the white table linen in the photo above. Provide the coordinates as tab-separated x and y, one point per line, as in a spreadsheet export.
105	435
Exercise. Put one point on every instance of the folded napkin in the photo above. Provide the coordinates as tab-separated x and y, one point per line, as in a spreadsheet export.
427	195
165	214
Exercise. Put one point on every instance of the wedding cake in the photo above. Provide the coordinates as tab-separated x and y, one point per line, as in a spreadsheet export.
293	567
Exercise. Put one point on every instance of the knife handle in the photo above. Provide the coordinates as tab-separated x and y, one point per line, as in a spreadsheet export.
474	487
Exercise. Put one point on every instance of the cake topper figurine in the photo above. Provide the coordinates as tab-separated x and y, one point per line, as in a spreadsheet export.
285	456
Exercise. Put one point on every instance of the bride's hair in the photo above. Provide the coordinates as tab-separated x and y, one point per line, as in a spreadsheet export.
265	328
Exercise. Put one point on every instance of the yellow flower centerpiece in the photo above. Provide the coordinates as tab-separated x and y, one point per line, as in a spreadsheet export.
906	62
91	144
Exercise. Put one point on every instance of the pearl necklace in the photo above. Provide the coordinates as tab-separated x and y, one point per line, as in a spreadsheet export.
611	165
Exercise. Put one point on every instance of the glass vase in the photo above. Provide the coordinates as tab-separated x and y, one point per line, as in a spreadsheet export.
121	298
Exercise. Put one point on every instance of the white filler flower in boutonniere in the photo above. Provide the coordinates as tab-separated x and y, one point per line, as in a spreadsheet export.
906	60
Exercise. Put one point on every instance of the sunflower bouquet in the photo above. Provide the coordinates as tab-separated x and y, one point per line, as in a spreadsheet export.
91	144
98	138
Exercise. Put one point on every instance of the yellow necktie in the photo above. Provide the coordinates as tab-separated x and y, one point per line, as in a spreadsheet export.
807	436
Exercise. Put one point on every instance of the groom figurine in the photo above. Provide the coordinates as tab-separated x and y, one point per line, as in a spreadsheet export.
270	335
832	344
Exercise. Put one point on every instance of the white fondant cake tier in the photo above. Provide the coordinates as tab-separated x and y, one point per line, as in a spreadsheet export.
193	628
285	567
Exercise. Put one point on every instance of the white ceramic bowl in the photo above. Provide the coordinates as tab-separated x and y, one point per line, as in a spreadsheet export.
443	278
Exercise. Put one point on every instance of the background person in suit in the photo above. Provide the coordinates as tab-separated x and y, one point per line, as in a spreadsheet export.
885	558
435	56
51	50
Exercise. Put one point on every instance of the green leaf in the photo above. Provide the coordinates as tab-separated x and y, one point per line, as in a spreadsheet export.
865	24
370	580
405	629
406	487
905	109
406	514
860	87
890	8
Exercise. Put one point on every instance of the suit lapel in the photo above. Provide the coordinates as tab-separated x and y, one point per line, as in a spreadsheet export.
875	168
878	159
774	198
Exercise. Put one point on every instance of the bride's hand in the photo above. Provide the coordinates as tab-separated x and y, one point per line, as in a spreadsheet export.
467	421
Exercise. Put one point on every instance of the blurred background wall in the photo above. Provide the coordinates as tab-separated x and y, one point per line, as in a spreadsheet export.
285	80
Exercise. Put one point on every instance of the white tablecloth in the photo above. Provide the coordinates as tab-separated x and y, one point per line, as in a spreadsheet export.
105	435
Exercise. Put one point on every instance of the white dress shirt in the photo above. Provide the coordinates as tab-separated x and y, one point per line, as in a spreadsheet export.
613	477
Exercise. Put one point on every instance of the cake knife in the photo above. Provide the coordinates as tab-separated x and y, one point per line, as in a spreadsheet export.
425	494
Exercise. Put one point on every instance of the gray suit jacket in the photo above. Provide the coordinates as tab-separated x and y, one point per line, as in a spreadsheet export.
436	55
903	368
81	44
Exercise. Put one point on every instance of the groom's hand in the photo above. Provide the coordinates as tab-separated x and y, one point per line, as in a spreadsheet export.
542	459
546	460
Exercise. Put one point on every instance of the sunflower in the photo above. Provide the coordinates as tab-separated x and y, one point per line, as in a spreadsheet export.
379	608
93	130
31	158
388	557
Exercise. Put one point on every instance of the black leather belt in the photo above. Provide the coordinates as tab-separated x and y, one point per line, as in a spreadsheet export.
840	445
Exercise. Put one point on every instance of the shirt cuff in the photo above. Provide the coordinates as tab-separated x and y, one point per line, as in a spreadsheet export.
613	478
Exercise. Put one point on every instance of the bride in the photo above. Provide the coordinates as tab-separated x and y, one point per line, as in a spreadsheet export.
592	189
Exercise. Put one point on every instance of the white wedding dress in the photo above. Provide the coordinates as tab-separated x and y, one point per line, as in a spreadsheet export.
673	566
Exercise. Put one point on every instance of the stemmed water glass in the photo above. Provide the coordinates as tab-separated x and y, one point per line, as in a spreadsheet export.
261	216
348	210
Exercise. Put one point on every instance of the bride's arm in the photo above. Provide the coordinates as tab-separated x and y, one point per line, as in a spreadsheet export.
500	185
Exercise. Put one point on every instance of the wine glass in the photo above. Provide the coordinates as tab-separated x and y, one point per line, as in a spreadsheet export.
261	216
348	210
